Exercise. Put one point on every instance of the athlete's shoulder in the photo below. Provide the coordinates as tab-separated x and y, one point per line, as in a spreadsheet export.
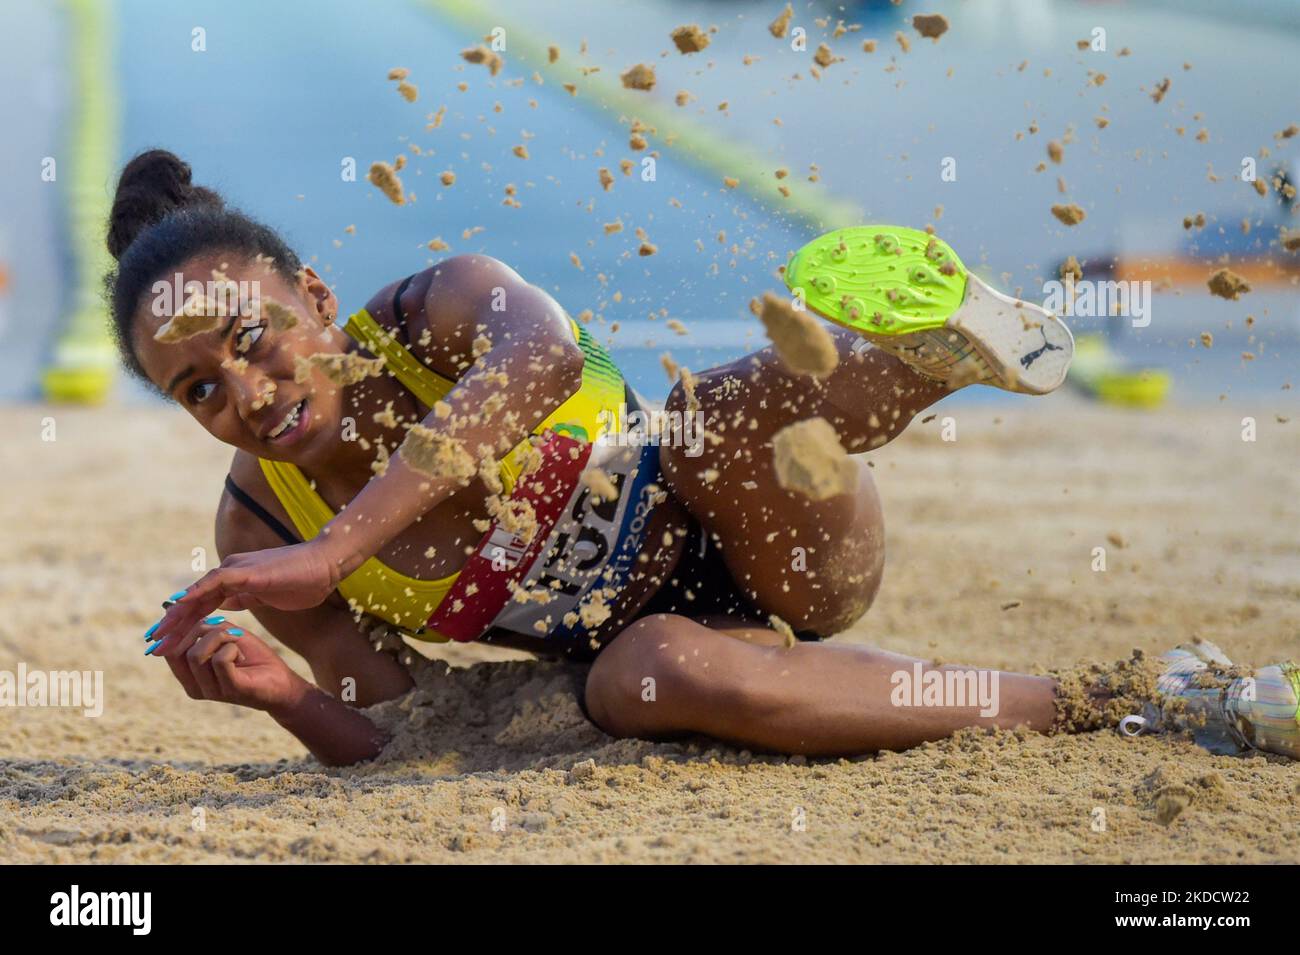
438	312
454	283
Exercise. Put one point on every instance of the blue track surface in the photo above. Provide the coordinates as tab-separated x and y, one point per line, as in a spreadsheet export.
286	91
265	117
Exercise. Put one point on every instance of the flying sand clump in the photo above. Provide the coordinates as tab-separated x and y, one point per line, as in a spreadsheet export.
409	91
280	317
198	315
690	39
1069	214
1227	284
823	57
515	517
384	177
202	312
438	455
781	24
602	488
810	460
481	54
639	77
342	369
804	344
930	25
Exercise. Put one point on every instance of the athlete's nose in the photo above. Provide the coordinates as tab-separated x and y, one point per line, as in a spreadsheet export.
251	389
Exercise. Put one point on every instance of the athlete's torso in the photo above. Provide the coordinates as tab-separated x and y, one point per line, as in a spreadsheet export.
590	546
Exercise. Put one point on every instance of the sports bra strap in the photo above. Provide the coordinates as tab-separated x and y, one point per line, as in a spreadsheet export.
269	519
398	315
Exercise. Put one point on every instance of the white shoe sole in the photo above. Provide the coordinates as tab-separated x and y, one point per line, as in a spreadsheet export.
1027	348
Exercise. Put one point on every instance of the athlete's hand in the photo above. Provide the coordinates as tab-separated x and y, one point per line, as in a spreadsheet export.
287	578
215	661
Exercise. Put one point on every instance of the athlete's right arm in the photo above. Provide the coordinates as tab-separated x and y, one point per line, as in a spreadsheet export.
328	638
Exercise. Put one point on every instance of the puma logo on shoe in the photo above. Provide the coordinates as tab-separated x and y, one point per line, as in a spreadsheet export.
1037	353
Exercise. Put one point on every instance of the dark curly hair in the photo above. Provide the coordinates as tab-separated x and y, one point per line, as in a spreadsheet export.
160	220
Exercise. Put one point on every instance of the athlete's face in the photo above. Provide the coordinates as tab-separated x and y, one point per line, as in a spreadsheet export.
237	375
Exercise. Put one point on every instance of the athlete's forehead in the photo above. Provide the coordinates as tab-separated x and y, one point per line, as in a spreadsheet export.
185	317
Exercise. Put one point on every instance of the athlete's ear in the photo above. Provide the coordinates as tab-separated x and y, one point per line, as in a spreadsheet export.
319	295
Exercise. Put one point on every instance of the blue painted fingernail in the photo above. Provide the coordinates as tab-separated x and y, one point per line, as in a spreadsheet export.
149	633
213	621
235	632
177	596
153	646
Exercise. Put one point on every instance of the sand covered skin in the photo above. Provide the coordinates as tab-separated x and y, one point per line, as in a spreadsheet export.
199	315
508	736
207	305
279	316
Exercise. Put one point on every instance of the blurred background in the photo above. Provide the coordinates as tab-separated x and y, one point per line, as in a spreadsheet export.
269	103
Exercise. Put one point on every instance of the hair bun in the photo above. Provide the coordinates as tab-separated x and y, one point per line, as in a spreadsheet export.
154	184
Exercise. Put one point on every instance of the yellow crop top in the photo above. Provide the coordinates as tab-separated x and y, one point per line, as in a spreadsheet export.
374	587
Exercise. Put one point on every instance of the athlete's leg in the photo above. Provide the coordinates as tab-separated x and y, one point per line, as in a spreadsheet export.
909	294
666	675
816	564
870	396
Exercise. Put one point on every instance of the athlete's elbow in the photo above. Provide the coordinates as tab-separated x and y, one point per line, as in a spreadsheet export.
559	369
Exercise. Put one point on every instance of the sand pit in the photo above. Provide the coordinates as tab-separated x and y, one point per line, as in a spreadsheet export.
99	529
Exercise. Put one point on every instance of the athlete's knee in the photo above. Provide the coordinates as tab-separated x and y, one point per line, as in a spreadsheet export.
648	678
823	611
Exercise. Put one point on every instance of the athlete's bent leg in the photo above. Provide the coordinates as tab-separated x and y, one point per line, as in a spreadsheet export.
667	675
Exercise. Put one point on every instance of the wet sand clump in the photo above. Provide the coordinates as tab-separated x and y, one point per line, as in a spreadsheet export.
1227	284
639	77
690	39
930	25
342	368
384	177
1069	214
810	460
802	340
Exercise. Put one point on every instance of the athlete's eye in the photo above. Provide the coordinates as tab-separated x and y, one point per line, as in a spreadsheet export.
248	337
201	391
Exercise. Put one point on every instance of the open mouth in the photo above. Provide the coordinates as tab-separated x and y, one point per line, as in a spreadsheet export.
291	427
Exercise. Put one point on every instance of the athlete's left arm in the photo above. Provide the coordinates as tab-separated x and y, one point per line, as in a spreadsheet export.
516	361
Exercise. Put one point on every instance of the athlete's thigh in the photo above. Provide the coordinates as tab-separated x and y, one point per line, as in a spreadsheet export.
816	564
